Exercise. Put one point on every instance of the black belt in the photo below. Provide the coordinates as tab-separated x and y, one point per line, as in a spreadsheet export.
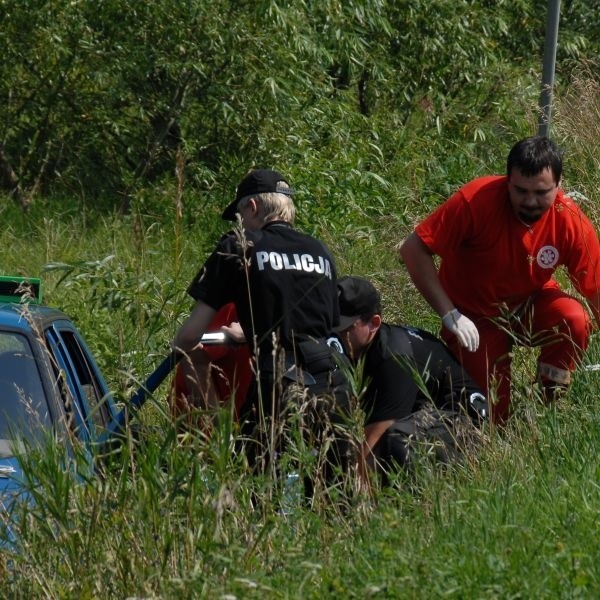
312	356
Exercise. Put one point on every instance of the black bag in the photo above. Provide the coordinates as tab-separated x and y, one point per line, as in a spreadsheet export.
428	435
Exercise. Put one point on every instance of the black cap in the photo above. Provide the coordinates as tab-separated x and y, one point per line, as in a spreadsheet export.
357	297
259	181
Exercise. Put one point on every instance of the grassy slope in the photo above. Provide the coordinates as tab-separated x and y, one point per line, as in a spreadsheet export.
519	522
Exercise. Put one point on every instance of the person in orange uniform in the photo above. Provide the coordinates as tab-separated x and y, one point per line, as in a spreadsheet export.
500	240
217	374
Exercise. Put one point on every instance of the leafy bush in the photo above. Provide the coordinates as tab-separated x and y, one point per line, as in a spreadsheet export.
101	99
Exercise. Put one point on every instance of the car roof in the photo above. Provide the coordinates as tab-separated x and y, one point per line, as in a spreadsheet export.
20	316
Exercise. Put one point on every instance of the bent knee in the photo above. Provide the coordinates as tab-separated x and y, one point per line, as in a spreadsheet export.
578	325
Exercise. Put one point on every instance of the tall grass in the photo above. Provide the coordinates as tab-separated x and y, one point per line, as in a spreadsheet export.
178	516
177	520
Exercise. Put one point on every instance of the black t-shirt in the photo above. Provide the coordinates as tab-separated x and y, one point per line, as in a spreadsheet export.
282	282
404	366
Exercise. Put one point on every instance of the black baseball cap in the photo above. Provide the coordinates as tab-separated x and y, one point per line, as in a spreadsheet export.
357	297
258	181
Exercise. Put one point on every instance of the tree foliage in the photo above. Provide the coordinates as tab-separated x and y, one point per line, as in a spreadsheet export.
99	97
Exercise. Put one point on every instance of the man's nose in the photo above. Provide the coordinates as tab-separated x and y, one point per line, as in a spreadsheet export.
530	200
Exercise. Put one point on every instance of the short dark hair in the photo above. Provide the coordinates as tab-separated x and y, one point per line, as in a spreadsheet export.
534	154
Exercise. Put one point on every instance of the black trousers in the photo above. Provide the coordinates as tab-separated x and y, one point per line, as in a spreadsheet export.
315	405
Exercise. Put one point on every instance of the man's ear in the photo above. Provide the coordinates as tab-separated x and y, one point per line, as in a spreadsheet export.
375	323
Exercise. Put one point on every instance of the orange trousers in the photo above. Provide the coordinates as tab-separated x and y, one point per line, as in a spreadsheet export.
552	320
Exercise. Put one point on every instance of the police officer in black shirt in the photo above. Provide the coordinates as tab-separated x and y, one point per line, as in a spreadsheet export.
283	284
407	371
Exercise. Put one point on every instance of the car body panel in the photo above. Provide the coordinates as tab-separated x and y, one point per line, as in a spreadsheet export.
50	384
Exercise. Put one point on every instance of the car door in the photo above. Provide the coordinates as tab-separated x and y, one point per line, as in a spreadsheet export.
82	382
28	411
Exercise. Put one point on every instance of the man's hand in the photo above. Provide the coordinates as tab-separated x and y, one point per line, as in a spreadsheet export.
234	332
463	328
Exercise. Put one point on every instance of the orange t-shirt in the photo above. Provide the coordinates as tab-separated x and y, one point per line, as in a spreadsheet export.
491	260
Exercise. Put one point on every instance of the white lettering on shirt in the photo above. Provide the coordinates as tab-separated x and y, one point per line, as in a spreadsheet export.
294	262
261	259
275	261
286	263
308	263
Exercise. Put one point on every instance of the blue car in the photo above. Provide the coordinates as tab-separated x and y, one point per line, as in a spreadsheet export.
50	383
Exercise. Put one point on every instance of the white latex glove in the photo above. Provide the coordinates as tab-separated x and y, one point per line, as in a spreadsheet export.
463	328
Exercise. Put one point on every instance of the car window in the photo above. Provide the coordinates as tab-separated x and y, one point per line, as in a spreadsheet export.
88	381
23	403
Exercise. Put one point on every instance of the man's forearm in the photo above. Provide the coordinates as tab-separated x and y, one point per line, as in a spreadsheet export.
189	334
419	263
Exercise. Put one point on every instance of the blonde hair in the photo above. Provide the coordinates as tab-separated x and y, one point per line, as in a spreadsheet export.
272	206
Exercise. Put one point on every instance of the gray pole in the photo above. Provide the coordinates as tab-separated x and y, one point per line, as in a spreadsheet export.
550	42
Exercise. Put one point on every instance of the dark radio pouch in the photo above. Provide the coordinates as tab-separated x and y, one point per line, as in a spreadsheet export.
315	355
311	357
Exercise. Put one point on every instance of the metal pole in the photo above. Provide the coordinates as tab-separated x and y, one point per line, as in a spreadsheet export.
550	43
138	399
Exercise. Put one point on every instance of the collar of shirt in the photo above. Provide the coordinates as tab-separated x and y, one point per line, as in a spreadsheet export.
277	224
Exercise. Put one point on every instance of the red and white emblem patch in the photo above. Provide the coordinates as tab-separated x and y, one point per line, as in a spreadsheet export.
547	257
